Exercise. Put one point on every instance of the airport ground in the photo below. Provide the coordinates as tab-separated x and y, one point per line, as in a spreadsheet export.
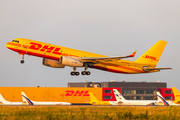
89	112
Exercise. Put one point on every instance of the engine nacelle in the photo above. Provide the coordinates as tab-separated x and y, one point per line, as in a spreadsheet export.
52	63
69	61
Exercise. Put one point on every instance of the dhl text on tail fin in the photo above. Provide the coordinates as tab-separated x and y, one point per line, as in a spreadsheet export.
59	57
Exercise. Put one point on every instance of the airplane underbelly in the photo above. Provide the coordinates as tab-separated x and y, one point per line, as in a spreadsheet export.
117	69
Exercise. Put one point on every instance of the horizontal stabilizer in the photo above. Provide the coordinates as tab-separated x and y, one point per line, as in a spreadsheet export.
103	58
150	69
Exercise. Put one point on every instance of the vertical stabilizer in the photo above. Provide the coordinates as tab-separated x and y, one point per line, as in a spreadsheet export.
93	98
118	96
2	99
161	99
26	99
176	94
152	56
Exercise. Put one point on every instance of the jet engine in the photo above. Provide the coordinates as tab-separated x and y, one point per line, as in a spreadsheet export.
72	62
52	63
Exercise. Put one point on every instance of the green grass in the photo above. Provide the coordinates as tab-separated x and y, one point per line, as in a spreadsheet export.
89	112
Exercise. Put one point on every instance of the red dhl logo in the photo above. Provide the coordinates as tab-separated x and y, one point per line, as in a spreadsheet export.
177	95
48	49
76	93
150	57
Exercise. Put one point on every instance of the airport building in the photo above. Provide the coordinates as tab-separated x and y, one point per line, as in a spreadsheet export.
79	92
130	90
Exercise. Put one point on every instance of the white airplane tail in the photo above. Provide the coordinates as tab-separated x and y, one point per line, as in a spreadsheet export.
161	99
118	96
26	99
2	100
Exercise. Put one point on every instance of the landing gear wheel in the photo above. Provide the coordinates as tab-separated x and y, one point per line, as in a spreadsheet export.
83	73
72	73
77	73
22	61
88	73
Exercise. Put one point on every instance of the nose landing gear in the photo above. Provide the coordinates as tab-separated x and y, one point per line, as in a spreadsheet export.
22	61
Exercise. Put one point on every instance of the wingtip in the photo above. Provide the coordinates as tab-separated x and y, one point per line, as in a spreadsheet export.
133	54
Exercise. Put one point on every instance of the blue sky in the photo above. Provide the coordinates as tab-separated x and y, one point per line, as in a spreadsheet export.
112	28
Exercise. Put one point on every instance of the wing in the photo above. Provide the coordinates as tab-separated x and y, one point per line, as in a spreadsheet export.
93	59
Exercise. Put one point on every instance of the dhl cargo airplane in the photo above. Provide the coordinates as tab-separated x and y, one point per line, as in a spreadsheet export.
27	101
95	101
59	57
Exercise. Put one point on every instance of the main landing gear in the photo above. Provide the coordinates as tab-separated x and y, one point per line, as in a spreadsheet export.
74	72
85	72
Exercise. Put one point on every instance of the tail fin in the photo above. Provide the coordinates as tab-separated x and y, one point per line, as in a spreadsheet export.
153	55
93	98
2	99
26	99
176	94
118	96
161	99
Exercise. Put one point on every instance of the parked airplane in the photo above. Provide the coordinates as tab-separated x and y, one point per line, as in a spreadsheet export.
5	102
26	100
95	101
120	100
176	95
59	57
162	101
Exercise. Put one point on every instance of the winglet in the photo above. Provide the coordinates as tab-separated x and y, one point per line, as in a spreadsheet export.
133	54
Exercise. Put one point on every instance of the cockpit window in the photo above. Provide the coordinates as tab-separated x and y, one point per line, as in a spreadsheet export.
17	41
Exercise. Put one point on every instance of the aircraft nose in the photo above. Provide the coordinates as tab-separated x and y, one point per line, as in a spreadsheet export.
7	45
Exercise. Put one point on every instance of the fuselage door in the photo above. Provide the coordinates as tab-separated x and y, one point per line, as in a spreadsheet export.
26	44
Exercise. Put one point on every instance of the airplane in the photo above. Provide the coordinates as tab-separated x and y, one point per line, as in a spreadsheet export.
162	101
95	101
27	101
120	100
5	102
176	95
59	57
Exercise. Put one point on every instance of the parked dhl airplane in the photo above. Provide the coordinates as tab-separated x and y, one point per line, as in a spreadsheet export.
95	101
59	57
176	95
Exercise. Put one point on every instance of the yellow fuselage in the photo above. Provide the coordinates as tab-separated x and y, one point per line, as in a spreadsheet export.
45	50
